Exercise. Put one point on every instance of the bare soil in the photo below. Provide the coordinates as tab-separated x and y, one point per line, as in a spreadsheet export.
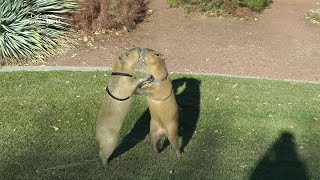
279	43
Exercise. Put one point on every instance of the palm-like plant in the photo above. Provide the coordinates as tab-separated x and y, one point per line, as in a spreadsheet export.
33	29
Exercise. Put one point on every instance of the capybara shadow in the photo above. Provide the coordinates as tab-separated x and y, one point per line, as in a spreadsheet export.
138	133
281	161
189	110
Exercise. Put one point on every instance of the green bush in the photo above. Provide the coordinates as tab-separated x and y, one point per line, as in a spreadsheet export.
109	14
176	3
229	6
256	5
33	30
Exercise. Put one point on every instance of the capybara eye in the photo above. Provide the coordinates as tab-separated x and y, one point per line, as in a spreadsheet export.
157	54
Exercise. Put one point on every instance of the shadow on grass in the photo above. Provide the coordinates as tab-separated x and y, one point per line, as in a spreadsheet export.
281	161
189	109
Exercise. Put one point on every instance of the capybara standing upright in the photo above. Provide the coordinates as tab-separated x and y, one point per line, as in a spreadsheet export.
117	102
161	100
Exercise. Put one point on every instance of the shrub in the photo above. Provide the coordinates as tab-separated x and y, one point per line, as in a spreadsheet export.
256	5
228	6
32	30
109	14
176	3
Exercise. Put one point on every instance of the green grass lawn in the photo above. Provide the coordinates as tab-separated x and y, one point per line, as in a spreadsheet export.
230	129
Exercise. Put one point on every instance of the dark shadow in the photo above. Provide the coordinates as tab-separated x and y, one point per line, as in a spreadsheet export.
189	109
139	132
281	161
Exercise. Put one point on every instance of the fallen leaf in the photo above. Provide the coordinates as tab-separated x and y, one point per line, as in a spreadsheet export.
55	128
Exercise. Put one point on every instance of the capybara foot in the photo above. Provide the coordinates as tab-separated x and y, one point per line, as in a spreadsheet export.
157	150
104	158
178	153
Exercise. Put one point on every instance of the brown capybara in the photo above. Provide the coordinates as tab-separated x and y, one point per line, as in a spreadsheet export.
117	102
161	100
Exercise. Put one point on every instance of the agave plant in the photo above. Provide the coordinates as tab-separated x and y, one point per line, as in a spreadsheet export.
33	29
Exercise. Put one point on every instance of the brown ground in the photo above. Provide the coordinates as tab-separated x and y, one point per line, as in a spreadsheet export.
279	44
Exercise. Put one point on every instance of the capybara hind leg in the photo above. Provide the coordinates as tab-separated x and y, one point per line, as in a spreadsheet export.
106	151
108	141
156	134
172	133
156	139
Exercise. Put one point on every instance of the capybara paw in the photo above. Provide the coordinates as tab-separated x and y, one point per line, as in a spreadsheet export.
143	82
139	91
104	162
157	150
148	77
103	158
178	153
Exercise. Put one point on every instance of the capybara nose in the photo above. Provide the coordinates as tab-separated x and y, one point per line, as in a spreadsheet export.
137	49
142	54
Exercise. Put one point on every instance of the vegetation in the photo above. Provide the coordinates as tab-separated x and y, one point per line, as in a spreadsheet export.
256	5
227	6
33	30
107	14
314	16
230	129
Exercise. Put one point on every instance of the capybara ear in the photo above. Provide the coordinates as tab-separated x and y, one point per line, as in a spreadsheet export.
122	55
119	55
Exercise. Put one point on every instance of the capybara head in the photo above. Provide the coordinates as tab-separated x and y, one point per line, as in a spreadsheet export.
153	60
151	57
130	58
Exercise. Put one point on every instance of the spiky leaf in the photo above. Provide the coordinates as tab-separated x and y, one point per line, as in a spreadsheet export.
33	29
